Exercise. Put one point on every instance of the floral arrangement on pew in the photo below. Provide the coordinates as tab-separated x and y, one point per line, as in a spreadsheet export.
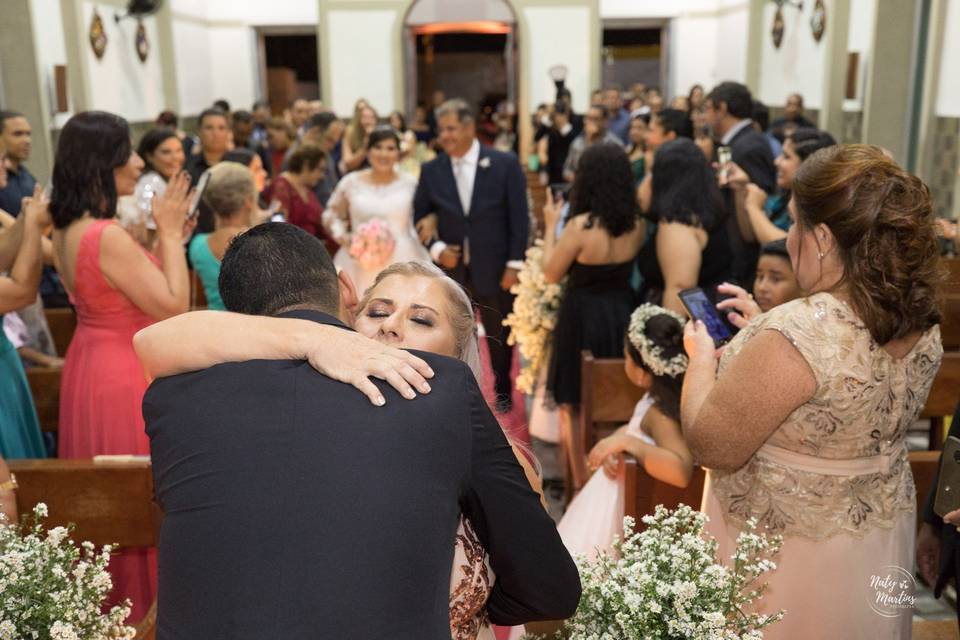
372	244
665	583
533	318
53	589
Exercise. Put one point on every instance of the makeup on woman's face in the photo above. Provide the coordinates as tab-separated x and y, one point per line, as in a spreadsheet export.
384	155
787	164
126	175
409	312
168	157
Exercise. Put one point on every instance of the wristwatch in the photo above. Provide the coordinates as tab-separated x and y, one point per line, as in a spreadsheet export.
9	484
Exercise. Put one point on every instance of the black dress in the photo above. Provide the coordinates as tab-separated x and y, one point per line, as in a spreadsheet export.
715	266
594	316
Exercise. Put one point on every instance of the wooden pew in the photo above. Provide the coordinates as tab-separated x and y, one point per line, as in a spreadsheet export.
607	399
943	398
924	465
198	295
642	493
950	303
537	198
110	503
62	323
45	388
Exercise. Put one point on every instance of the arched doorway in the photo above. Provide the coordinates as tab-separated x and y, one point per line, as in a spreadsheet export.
464	48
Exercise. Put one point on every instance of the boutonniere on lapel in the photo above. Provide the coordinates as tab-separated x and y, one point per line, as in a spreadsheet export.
484	163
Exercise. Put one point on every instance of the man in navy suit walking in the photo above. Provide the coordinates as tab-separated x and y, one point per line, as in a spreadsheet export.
471	206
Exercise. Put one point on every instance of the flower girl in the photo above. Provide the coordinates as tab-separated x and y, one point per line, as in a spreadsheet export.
654	361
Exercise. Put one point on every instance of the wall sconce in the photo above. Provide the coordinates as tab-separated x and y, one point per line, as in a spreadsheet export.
778	23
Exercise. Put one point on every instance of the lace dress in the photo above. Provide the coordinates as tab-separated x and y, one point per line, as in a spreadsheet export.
834	479
364	201
470	583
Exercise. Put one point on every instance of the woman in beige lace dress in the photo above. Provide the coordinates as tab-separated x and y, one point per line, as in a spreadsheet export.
803	424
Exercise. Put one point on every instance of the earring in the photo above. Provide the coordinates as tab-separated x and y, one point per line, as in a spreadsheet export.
820	255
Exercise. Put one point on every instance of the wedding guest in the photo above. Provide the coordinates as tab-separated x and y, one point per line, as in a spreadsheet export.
560	136
653	361
594	132
32	354
21	258
355	139
596	253
637	148
680	103
169	120
618	118
251	161
8	495
761	122
16	136
117	288
163	158
775	284
471	204
438	98
299	112
420	126
325	130
729	111
294	191
765	216
378	193
214	143
280	137
232	196
803	423
408	139
261	116
689	247
793	114
667	125
696	97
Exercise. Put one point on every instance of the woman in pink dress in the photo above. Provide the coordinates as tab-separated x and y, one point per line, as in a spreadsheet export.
117	289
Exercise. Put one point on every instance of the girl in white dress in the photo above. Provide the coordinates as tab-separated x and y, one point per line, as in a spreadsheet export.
654	361
378	193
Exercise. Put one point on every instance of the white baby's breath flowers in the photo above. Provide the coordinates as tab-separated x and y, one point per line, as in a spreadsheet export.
667	583
52	588
534	316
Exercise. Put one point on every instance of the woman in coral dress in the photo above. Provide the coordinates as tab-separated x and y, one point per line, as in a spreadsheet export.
118	289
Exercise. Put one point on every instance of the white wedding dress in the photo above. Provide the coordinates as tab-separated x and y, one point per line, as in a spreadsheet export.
595	515
364	201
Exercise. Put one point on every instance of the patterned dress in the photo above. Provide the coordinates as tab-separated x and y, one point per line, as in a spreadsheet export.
834	479
470	583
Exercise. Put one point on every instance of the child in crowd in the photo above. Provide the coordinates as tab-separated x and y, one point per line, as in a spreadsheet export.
655	362
31	353
775	284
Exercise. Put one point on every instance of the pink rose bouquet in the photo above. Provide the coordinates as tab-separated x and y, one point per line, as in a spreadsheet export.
372	244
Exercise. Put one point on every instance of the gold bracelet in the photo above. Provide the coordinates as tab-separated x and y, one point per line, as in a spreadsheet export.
9	484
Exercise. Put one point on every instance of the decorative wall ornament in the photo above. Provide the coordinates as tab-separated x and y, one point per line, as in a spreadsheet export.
778	25
98	37
818	21
141	42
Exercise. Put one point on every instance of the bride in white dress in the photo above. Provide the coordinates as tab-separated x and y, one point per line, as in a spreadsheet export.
377	193
654	361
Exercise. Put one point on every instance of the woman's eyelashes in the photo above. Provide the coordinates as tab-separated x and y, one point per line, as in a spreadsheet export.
423	319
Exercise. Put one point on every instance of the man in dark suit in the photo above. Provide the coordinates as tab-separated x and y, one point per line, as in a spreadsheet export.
729	108
295	508
472	204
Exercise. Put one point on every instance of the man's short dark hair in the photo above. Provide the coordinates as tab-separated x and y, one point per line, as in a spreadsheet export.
222	104
321	120
242	116
210	113
8	115
677	121
737	96
761	115
275	267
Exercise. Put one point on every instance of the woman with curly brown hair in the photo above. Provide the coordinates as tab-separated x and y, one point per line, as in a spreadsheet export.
803	424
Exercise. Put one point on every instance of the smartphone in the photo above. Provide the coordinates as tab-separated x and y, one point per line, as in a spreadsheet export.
560	191
198	191
699	307
724	158
947	498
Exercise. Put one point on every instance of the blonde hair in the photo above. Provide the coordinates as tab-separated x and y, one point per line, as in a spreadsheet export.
459	308
230	188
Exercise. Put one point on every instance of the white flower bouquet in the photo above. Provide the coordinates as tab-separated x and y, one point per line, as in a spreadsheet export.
533	317
665	584
51	589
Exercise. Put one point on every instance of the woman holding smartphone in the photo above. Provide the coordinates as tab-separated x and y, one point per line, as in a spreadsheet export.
117	288
803	421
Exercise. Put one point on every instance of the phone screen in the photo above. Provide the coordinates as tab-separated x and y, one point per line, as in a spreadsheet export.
560	190
198	194
700	308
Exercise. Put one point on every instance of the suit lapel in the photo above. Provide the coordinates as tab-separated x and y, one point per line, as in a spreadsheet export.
479	178
447	174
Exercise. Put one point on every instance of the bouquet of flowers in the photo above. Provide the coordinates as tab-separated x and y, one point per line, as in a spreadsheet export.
666	584
533	317
51	589
372	244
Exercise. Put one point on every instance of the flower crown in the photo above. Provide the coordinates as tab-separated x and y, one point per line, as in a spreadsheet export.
651	354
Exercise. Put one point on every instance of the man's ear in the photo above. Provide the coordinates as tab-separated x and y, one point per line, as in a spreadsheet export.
348	292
